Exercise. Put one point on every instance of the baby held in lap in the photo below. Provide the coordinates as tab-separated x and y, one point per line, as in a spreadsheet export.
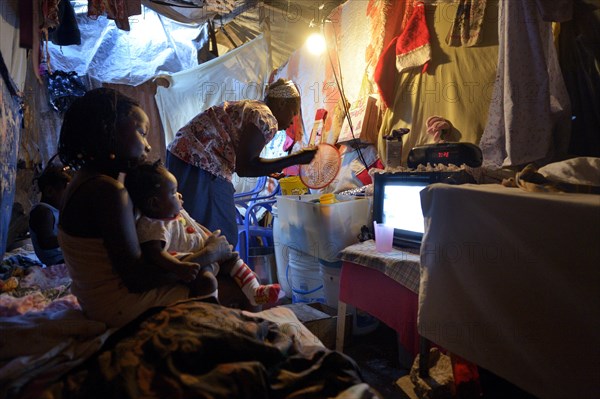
171	239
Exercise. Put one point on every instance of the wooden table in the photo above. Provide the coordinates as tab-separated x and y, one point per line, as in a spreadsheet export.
386	286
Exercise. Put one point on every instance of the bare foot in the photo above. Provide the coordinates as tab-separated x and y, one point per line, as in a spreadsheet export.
204	285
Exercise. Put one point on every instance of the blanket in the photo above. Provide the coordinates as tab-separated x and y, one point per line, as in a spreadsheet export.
48	348
203	350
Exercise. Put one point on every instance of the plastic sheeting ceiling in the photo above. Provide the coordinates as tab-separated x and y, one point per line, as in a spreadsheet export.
154	44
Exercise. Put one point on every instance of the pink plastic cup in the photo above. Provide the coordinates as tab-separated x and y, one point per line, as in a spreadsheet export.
384	236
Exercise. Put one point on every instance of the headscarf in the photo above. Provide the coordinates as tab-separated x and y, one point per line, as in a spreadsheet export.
286	90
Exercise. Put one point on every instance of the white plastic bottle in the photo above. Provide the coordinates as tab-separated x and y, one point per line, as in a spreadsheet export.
394	148
393	153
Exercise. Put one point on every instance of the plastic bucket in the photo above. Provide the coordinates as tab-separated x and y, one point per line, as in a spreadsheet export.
281	255
330	273
304	278
321	230
362	322
262	261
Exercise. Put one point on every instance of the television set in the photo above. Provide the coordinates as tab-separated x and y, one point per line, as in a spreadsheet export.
397	202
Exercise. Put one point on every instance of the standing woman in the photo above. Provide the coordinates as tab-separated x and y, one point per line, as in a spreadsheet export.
229	138
103	135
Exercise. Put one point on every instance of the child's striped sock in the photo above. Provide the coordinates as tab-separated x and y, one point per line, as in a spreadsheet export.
257	294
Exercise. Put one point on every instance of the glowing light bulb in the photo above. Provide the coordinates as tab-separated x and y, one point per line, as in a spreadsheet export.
316	44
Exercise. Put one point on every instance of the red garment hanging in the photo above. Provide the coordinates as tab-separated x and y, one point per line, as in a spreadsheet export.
117	10
408	50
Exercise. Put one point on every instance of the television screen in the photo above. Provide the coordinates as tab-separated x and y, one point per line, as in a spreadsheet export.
402	206
397	202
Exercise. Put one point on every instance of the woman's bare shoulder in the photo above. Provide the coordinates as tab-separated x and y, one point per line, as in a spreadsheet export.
91	202
95	183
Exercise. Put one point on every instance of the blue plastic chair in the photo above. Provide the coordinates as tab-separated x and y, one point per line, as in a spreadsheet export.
249	227
254	192
243	199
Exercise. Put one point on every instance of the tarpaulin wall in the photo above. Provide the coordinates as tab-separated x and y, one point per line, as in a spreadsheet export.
12	65
10	124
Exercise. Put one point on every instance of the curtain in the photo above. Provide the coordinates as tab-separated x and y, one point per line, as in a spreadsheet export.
15	57
237	75
579	56
529	116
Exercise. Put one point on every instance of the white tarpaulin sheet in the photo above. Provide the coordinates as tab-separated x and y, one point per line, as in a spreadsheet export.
237	75
154	44
14	57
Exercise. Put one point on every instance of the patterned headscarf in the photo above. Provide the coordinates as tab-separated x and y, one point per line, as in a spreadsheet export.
286	90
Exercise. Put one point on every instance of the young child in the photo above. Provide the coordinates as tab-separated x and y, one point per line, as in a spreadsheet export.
168	236
43	217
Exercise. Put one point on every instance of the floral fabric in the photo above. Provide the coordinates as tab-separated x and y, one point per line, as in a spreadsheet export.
210	139
26	286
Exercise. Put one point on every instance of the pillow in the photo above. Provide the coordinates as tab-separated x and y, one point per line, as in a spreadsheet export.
581	170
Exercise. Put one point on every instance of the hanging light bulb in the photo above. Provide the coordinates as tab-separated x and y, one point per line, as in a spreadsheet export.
315	43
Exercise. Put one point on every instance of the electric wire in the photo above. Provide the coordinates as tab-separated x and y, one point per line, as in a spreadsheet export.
339	83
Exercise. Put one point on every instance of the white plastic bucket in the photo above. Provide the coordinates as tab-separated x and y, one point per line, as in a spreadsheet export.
282	258
330	273
304	278
321	230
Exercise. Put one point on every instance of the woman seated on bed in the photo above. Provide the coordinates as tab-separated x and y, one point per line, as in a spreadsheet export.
103	135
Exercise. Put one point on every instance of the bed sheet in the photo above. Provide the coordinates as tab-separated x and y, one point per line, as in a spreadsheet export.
509	281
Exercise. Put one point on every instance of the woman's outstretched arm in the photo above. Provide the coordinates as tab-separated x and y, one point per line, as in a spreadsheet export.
250	164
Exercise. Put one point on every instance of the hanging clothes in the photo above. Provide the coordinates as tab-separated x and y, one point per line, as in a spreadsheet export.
468	23
118	10
67	32
457	85
26	24
48	11
529	115
408	50
579	56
